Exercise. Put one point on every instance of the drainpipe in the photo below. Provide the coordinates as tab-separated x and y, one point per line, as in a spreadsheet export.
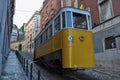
76	3
61	3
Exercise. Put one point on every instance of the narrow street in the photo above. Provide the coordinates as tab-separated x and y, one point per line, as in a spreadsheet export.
12	69
59	40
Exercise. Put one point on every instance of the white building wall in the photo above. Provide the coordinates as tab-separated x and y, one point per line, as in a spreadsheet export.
6	15
3	17
107	58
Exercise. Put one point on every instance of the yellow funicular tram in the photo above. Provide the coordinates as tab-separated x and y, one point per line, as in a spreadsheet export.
66	40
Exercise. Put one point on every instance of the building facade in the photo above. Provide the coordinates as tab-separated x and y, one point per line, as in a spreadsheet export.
14	34
107	34
6	23
31	30
15	45
18	45
51	7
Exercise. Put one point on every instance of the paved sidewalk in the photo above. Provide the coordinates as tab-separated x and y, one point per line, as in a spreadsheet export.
13	69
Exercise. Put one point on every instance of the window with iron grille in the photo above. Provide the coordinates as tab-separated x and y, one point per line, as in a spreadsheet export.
110	42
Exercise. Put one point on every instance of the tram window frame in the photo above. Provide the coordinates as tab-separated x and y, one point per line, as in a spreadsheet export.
89	23
78	24
43	35
57	24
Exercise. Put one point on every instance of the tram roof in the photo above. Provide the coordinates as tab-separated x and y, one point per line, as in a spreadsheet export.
72	9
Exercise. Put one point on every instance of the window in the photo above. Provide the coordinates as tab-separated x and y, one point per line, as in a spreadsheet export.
47	9
41	39
50	31
51	3
105	10
68	2
69	22
42	15
57	24
46	32
63	19
110	42
32	45
79	21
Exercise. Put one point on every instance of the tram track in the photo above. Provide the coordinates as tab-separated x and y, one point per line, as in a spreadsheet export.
78	76
71	74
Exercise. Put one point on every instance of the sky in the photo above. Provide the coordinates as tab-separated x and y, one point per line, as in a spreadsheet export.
24	9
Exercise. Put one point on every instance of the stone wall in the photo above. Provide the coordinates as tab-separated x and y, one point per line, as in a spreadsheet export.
108	58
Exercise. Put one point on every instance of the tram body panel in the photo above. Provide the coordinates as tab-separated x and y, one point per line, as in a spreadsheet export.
52	45
77	53
44	49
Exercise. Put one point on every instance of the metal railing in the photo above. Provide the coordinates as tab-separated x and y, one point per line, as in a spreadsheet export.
31	70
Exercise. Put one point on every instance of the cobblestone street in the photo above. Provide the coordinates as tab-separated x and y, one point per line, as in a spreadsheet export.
103	73
13	69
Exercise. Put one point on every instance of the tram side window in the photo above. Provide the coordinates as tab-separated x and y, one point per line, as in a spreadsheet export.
38	42
46	34
50	31
41	39
57	24
79	21
63	19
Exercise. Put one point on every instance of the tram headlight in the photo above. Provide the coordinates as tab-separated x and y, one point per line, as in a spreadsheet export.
82	38
70	38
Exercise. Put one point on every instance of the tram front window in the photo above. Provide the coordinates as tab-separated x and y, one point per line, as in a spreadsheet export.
79	21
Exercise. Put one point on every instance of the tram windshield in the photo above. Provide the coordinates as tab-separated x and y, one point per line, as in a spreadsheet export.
79	21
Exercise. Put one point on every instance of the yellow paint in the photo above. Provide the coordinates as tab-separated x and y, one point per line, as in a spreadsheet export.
75	53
